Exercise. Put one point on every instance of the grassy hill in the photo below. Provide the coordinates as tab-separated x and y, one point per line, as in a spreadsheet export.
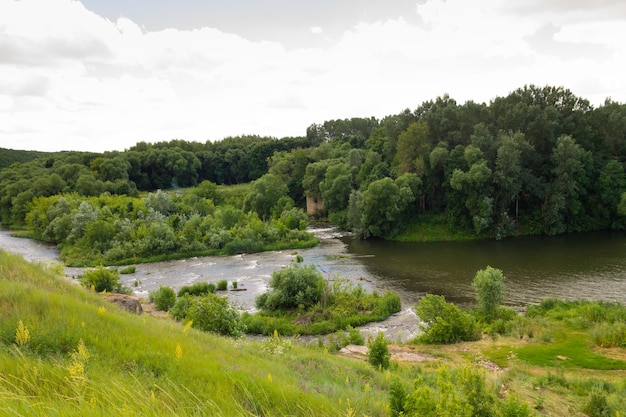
84	357
65	351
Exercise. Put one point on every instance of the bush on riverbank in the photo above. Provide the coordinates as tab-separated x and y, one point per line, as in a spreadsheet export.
102	279
302	302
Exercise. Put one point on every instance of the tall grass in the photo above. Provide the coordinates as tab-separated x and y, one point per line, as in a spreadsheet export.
140	365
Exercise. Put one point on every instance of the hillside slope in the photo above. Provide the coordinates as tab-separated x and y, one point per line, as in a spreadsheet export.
64	351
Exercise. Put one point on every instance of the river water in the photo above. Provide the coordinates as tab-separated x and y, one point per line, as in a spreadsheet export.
575	266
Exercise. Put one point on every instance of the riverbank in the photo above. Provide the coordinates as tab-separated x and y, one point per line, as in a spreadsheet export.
251	272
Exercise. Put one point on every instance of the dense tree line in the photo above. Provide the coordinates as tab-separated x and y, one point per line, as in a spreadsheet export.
143	167
537	161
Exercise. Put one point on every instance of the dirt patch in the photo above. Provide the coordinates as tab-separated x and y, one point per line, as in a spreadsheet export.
400	354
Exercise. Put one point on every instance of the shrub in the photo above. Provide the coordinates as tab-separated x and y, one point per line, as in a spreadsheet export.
102	279
246	245
397	397
354	336
489	286
293	287
199	288
445	322
164	298
597	406
181	307
222	285
609	334
378	354
214	314
128	270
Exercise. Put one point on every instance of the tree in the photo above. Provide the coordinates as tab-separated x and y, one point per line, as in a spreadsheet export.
265	193
489	287
474	188
160	202
336	187
561	202
378	354
382	202
413	146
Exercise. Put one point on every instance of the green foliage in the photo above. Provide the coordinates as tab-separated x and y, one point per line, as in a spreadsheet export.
181	308
342	306
199	288
354	336
292	287
102	279
128	270
488	284
445	322
378	354
214	314
609	335
87	358
164	298
222	285
397	398
597	406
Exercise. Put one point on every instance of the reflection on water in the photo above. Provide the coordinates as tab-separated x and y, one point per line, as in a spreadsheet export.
589	265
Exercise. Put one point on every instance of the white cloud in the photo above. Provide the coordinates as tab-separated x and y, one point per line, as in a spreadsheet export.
70	79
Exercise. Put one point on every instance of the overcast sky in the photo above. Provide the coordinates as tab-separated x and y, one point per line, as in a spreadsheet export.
104	74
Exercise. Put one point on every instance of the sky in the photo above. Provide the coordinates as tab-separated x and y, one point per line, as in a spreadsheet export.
102	75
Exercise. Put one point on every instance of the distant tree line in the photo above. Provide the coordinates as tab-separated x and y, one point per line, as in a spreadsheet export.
537	161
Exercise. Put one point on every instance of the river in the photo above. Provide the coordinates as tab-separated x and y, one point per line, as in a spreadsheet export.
574	266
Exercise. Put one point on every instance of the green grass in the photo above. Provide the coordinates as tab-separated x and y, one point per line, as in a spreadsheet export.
568	350
76	355
141	365
431	229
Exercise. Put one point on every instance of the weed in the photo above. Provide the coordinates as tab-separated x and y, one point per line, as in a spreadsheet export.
22	335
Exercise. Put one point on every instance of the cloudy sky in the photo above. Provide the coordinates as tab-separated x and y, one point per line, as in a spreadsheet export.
104	74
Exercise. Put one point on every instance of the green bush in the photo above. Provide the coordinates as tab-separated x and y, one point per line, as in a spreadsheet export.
222	285
397	397
598	406
102	279
181	307
489	286
445	322
378	354
164	298
246	245
214	314
354	336
292	287
199	288
128	270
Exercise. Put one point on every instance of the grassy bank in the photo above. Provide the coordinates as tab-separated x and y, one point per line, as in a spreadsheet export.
79	356
64	351
427	228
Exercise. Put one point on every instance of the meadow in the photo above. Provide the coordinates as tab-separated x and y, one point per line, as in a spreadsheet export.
65	351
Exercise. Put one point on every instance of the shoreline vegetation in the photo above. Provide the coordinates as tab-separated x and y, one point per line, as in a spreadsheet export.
64	348
539	161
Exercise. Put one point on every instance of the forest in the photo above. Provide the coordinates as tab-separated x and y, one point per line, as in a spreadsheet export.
537	161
